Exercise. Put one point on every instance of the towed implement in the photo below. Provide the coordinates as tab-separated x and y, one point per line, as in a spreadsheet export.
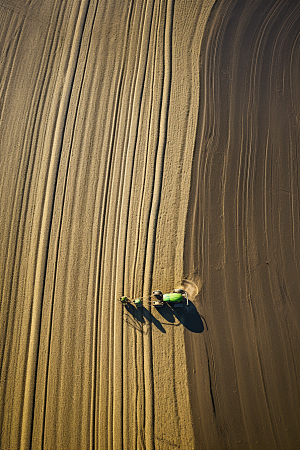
127	300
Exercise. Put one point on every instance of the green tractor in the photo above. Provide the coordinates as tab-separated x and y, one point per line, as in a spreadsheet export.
177	298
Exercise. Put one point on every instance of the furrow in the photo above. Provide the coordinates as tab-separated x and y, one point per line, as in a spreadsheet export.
40	253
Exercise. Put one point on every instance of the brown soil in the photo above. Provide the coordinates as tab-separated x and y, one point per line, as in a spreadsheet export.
149	145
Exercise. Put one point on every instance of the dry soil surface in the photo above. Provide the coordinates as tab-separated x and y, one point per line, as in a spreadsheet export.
149	144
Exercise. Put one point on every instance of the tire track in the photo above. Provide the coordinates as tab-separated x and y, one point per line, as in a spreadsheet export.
40	254
9	50
113	335
40	444
20	209
151	234
127	203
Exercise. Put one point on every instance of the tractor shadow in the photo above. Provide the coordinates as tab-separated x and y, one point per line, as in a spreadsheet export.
187	316
139	314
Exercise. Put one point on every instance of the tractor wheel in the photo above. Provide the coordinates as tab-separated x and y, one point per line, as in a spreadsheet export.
158	295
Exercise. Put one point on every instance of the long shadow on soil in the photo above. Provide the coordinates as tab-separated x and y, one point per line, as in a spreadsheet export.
140	313
187	316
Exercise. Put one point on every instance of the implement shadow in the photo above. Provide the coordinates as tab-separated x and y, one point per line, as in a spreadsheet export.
187	315
140	313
